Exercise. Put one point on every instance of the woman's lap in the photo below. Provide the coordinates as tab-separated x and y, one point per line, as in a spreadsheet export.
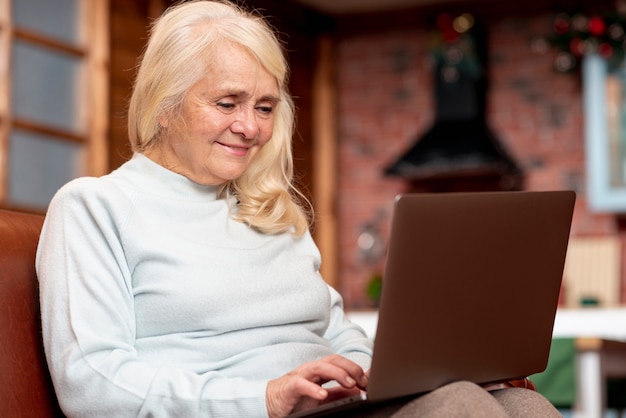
465	399
520	402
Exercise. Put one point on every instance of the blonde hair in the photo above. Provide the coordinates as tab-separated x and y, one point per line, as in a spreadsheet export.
177	56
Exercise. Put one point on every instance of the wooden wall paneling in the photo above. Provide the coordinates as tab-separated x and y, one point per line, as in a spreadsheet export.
128	34
130	21
96	27
5	85
324	140
301	60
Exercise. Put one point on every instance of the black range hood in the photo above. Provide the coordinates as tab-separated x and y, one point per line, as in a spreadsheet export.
460	144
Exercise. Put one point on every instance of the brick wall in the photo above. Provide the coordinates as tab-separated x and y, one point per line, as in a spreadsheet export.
385	102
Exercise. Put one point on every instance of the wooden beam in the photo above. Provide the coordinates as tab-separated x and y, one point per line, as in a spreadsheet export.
324	141
34	38
37	127
96	79
5	88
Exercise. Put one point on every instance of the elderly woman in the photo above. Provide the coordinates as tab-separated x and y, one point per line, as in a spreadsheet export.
186	283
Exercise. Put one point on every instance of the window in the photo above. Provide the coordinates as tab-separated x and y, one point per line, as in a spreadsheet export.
604	93
53	104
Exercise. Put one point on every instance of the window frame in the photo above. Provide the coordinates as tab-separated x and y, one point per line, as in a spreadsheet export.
92	87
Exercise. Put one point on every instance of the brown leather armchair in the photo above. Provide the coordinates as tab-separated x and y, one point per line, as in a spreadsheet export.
25	386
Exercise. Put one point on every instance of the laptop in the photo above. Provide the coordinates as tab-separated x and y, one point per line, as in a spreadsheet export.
470	291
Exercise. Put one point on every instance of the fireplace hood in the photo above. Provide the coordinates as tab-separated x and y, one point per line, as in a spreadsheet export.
460	143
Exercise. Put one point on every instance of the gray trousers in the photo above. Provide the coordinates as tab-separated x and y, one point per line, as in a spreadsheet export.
466	400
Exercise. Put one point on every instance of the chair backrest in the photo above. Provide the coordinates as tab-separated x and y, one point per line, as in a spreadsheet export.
25	386
593	272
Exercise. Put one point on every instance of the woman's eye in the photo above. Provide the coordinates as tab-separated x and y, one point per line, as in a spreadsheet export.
226	105
265	109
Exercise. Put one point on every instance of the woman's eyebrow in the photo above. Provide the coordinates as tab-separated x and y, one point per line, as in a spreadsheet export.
270	98
234	92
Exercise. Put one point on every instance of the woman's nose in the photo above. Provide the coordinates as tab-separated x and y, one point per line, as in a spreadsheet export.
246	123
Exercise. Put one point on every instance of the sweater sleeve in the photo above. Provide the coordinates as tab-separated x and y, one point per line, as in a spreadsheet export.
89	327
347	338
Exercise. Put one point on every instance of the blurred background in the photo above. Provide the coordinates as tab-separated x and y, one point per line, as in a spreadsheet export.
393	96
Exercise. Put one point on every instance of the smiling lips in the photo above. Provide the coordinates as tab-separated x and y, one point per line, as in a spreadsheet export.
239	151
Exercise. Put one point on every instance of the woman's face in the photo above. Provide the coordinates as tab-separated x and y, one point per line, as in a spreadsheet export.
226	119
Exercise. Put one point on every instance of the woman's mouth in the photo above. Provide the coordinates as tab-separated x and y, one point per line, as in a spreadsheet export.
238	150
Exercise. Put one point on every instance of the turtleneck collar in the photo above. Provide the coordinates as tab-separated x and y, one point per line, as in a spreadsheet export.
153	177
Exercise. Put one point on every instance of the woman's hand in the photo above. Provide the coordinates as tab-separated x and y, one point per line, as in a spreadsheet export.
301	388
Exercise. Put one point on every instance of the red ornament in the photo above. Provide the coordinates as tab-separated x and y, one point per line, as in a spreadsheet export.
597	26
561	24
577	47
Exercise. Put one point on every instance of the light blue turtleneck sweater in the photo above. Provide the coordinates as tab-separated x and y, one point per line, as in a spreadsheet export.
156	303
